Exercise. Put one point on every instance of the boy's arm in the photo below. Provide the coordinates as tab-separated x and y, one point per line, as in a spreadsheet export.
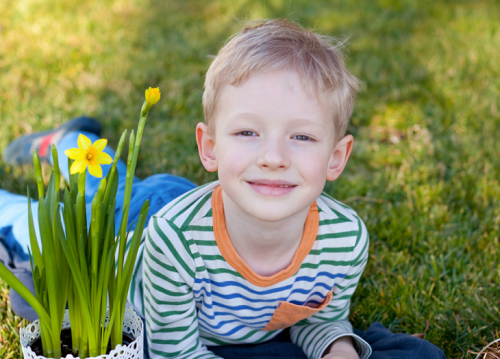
169	305
321	331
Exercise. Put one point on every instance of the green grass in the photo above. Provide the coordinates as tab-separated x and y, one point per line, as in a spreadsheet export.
424	174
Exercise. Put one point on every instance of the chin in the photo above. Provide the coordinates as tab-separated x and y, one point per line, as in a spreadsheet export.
270	214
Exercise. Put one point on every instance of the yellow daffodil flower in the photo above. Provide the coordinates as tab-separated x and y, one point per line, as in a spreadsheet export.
153	95
88	154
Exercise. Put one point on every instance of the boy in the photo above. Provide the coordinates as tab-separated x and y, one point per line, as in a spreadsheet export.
262	249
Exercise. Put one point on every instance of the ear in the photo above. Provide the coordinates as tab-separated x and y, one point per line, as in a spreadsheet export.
339	157
206	147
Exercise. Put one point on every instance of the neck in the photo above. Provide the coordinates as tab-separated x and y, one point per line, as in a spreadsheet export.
266	247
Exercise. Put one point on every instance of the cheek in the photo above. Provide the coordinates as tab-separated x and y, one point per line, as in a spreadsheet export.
232	162
312	163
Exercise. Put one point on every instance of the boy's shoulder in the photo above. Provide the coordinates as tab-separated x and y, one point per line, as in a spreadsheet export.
190	206
332	209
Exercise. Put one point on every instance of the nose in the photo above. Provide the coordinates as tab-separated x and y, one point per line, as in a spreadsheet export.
274	155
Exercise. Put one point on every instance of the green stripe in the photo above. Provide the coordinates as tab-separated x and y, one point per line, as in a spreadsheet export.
340	215
174	354
172	249
163	290
304	330
201	242
352	276
134	277
325	262
189	193
345	288
176	329
360	232
304	340
162	323
200	269
317	252
166	302
185	242
162	276
333	221
199	228
183	210
209	213
336	235
337	317
224	271
212	257
197	209
164	314
362	261
166	266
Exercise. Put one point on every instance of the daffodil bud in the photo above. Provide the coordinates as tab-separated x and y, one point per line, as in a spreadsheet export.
152	96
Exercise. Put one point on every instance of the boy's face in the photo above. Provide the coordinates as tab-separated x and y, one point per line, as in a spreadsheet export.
273	146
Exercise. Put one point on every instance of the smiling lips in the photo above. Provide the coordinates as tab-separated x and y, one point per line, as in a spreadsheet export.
272	188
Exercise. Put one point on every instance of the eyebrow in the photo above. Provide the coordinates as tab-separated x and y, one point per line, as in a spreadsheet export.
252	117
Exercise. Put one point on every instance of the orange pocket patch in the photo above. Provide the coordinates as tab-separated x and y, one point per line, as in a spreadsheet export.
287	314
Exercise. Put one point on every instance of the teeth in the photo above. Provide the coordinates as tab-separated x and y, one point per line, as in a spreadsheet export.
282	186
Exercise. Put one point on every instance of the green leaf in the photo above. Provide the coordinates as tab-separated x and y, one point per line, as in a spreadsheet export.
37	255
24	292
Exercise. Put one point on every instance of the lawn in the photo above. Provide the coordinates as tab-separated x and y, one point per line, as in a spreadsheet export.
424	173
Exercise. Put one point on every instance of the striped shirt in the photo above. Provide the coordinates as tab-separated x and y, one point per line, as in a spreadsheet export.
195	291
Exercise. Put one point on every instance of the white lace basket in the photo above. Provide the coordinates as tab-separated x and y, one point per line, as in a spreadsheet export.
132	326
482	353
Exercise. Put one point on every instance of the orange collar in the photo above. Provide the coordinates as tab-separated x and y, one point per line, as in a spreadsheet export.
232	257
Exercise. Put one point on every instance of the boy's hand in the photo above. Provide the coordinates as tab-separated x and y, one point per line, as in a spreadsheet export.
340	356
342	348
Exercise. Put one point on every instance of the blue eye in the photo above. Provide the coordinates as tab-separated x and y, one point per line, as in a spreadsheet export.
304	138
245	133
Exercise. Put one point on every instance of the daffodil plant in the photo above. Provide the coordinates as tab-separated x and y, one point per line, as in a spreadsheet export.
81	263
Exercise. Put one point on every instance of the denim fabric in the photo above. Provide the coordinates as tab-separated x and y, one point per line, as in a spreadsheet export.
278	347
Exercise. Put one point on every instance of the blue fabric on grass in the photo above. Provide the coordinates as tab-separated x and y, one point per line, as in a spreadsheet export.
388	345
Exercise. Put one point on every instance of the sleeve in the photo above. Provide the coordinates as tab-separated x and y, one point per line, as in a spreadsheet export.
169	304
317	332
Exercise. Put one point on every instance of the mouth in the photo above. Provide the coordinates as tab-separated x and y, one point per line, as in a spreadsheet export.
272	184
272	188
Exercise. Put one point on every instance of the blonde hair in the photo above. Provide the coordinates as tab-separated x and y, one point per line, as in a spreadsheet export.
281	44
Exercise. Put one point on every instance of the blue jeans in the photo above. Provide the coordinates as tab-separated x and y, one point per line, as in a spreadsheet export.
160	189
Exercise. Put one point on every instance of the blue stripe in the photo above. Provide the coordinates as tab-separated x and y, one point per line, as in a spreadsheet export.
220	324
242	318
236	284
236	295
325	274
232	331
243	307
